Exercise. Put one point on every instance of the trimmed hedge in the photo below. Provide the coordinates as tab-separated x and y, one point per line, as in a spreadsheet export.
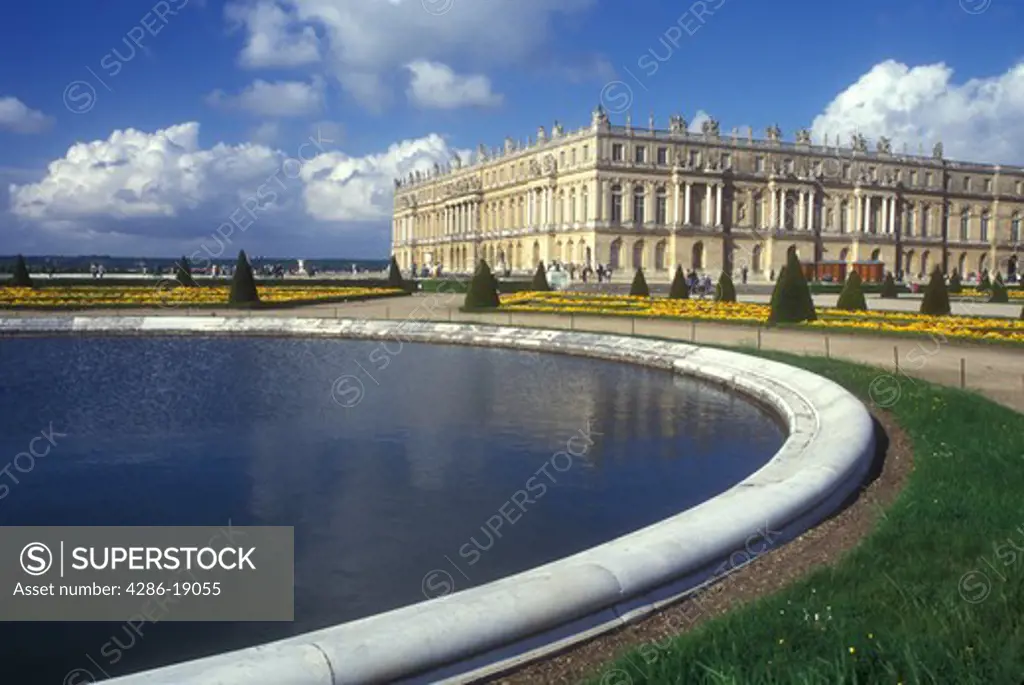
936	299
20	278
852	297
889	290
639	287
725	291
483	289
791	301
540	279
679	290
243	285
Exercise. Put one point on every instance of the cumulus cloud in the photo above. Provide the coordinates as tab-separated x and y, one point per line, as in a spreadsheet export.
978	120
275	37
156	184
274	99
437	86
363	43
17	117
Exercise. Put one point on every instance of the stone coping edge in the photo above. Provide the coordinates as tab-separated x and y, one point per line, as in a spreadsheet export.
490	628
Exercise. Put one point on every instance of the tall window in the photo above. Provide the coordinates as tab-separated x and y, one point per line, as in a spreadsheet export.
662	155
1015	229
641	154
616	152
984	227
694	158
584	211
616	213
967	183
572	156
758	211
759	164
586	152
926	221
638	205
561	159
661	209
572	206
913	178
928	179
844	216
965	225
910	220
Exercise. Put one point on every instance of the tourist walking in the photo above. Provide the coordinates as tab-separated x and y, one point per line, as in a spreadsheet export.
743	273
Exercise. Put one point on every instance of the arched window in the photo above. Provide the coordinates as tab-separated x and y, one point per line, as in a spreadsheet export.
984	227
965	225
616	209
638	205
844	216
638	254
910	222
697	256
755	260
661	208
659	256
615	254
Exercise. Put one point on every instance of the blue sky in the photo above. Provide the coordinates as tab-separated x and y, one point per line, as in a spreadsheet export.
259	78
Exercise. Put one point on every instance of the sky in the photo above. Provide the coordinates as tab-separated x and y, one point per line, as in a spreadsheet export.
141	129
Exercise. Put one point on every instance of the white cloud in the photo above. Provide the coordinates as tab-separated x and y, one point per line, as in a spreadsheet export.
16	117
274	99
437	86
979	120
365	42
157	184
698	120
266	133
275	38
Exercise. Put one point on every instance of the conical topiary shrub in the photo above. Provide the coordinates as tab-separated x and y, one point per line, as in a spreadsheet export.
792	302
395	279
775	291
243	283
936	299
889	290
725	291
999	293
680	290
639	287
184	274
540	279
20	277
483	289
955	284
852	297
986	283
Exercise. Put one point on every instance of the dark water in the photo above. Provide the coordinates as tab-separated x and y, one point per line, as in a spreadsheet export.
388	475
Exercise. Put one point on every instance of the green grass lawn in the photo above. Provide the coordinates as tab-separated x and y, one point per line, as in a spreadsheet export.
934	595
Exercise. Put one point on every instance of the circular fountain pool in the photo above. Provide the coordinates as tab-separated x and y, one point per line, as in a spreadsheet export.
407	471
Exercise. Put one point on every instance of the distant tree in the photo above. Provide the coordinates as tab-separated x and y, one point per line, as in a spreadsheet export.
680	289
725	291
639	286
483	289
999	292
395	279
183	273
540	279
936	298
792	302
20	277
852	296
889	290
243	283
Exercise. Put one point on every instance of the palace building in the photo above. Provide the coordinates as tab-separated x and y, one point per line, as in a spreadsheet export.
646	198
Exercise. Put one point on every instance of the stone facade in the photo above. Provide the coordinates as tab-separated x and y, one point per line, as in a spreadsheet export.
630	197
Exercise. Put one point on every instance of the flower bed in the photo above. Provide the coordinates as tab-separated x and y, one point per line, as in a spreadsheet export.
1015	293
974	328
168	295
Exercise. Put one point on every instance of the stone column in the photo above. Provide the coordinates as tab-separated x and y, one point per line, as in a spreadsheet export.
892	215
650	203
707	204
775	208
686	207
551	207
676	209
718	204
800	212
811	213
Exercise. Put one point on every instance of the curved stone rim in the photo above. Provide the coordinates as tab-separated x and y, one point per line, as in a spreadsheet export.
486	629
